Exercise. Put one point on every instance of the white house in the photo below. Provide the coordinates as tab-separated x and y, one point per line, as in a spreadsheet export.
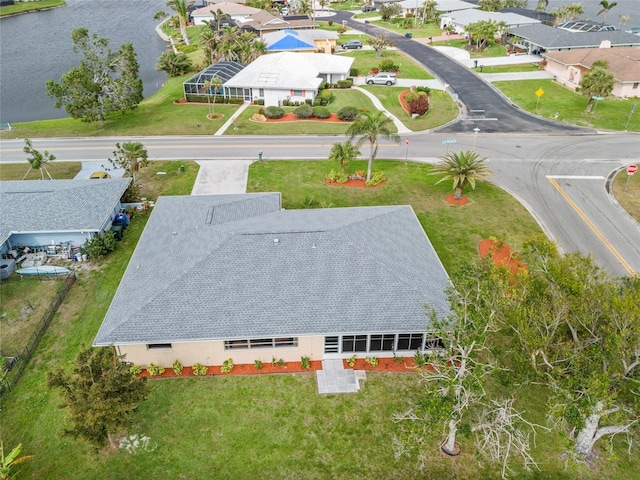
234	10
287	76
460	19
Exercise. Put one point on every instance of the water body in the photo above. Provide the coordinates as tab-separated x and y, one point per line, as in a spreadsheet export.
37	47
592	7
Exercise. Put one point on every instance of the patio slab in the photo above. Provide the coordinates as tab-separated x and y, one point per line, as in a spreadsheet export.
333	378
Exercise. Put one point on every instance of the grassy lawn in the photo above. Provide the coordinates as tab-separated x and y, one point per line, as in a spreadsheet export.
341	98
518	67
494	50
33	6
428	30
58	170
365	60
442	109
629	199
347	5
276	426
156	115
610	114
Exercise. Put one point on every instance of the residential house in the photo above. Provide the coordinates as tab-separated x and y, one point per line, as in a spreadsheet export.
198	84
40	214
315	40
544	38
287	76
442	6
264	22
570	66
460	19
235	276
235	11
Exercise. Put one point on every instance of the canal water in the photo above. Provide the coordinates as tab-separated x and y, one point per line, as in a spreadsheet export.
37	47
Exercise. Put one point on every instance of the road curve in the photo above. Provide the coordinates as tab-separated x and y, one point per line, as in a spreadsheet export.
483	106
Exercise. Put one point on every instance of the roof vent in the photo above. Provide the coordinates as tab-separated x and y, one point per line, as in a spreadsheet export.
313	246
276	240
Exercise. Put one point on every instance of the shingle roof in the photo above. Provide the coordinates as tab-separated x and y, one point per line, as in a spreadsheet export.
264	20
236	266
551	38
466	17
623	63
58	205
229	8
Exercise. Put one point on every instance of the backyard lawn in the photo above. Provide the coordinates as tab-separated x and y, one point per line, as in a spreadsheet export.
277	426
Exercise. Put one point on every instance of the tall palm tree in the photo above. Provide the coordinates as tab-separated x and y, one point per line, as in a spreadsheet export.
215	83
464	168
599	82
344	153
181	7
606	6
130	156
369	127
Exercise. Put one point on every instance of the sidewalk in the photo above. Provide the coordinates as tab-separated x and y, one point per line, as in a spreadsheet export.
402	129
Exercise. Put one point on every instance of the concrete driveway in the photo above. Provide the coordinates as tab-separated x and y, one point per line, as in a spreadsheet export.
221	177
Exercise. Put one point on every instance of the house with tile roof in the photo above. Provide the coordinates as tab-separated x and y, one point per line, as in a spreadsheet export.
41	213
287	76
460	19
569	67
316	40
544	38
264	22
235	276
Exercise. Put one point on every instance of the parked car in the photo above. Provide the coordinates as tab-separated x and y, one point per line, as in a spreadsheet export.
352	45
98	175
284	11
382	78
368	8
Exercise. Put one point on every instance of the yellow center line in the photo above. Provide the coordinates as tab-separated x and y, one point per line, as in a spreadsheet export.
593	228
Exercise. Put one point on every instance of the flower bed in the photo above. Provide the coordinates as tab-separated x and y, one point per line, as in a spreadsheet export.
242	369
353	183
399	364
501	255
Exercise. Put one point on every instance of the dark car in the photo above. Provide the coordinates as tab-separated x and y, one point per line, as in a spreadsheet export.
352	45
368	8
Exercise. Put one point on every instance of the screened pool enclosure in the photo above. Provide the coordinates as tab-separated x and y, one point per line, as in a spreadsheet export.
197	85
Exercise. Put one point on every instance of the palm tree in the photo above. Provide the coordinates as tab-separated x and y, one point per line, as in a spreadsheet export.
181	7
130	156
369	126
624	19
464	168
37	160
344	153
216	84
606	6
542	5
175	64
599	82
9	461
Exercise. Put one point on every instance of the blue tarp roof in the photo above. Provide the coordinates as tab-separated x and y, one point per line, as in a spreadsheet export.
291	42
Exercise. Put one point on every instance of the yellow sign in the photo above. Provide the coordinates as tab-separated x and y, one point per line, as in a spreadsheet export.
539	92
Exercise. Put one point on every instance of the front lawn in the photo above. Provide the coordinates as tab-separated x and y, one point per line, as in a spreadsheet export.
610	114
58	170
31	6
416	31
365	60
493	50
628	197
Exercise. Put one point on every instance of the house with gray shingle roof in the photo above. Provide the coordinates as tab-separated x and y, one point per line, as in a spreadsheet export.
39	213
235	276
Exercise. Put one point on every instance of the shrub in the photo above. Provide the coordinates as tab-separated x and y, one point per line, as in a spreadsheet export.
354	72
321	112
177	367
420	359
373	361
227	365
279	362
341	29
260	101
388	66
135	369
426	90
351	361
348	113
155	370
308	101
305	362
303	111
397	359
337	177
98	246
376	178
330	22
419	104
273	112
324	98
199	369
258	364
375	70
346	83
236	101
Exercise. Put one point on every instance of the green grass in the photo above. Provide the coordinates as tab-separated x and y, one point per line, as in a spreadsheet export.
347	6
156	115
518	67
610	114
428	30
629	197
493	50
33	6
58	170
442	109
365	60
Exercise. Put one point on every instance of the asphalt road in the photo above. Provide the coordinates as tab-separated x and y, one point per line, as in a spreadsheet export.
576	211
482	105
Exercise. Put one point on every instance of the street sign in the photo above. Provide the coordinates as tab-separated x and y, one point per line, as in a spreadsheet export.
449	140
598	98
406	141
631	169
539	92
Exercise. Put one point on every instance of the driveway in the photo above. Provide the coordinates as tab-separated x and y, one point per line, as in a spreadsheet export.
221	177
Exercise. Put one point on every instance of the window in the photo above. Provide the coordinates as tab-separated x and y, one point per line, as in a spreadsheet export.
158	346
635	84
261	93
331	344
410	341
382	343
261	343
433	343
298	93
354	343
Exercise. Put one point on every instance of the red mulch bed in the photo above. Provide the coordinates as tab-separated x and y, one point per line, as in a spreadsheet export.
403	100
501	255
353	183
453	201
242	369
401	364
290	117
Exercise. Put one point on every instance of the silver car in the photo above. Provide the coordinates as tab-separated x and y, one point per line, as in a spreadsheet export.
382	78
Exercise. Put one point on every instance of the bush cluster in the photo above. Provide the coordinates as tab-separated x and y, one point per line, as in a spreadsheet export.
155	370
323	98
303	111
418	102
199	369
227	366
321	112
377	177
177	367
98	246
388	66
337	177
348	113
273	112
